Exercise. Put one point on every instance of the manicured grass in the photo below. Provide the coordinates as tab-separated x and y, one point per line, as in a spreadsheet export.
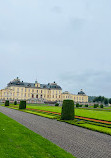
96	114
39	114
102	115
91	126
47	108
16	141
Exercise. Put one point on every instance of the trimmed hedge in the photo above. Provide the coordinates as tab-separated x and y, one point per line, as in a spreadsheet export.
67	110
95	105
77	104
57	104
22	104
86	105
15	102
7	103
101	106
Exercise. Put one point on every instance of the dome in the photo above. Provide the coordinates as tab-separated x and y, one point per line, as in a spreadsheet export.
81	92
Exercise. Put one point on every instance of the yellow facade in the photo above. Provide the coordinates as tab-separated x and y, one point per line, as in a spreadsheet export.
17	90
80	98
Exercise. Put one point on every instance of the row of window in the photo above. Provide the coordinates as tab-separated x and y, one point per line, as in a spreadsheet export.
36	91
75	98
32	95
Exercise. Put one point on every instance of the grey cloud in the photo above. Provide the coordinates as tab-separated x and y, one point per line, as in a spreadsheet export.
94	82
77	23
57	9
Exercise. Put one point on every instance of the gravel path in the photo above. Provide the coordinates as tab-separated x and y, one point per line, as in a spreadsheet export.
81	142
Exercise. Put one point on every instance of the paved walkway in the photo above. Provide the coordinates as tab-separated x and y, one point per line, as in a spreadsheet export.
81	142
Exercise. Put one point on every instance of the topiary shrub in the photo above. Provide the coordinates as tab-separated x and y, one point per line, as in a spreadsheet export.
101	106
80	105
7	103
67	110
56	104
15	102
22	104
77	104
86	105
95	105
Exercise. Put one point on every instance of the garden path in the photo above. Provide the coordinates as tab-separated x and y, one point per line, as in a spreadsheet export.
82	143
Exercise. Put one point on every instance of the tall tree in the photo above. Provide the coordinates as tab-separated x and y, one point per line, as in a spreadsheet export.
105	101
110	101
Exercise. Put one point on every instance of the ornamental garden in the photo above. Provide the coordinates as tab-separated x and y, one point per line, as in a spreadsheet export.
96	117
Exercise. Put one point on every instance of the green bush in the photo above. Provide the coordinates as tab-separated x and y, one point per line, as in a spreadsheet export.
67	110
86	105
57	104
15	102
22	104
7	103
80	105
77	104
101	106
95	105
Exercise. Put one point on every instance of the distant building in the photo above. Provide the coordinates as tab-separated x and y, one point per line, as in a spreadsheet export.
81	97
36	92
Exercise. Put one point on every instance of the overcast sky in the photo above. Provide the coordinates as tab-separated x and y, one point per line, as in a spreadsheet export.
67	41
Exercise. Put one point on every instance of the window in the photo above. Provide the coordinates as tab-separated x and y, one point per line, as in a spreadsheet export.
41	91
37	96
41	96
37	91
32	96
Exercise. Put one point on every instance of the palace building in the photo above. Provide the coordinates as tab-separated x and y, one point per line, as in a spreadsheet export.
36	92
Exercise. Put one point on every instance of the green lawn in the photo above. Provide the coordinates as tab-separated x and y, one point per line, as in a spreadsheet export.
16	141
97	114
91	125
102	115
90	113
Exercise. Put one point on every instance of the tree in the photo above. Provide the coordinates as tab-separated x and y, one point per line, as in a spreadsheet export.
110	101
105	101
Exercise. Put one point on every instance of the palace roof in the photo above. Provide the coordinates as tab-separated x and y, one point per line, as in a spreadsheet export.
17	82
